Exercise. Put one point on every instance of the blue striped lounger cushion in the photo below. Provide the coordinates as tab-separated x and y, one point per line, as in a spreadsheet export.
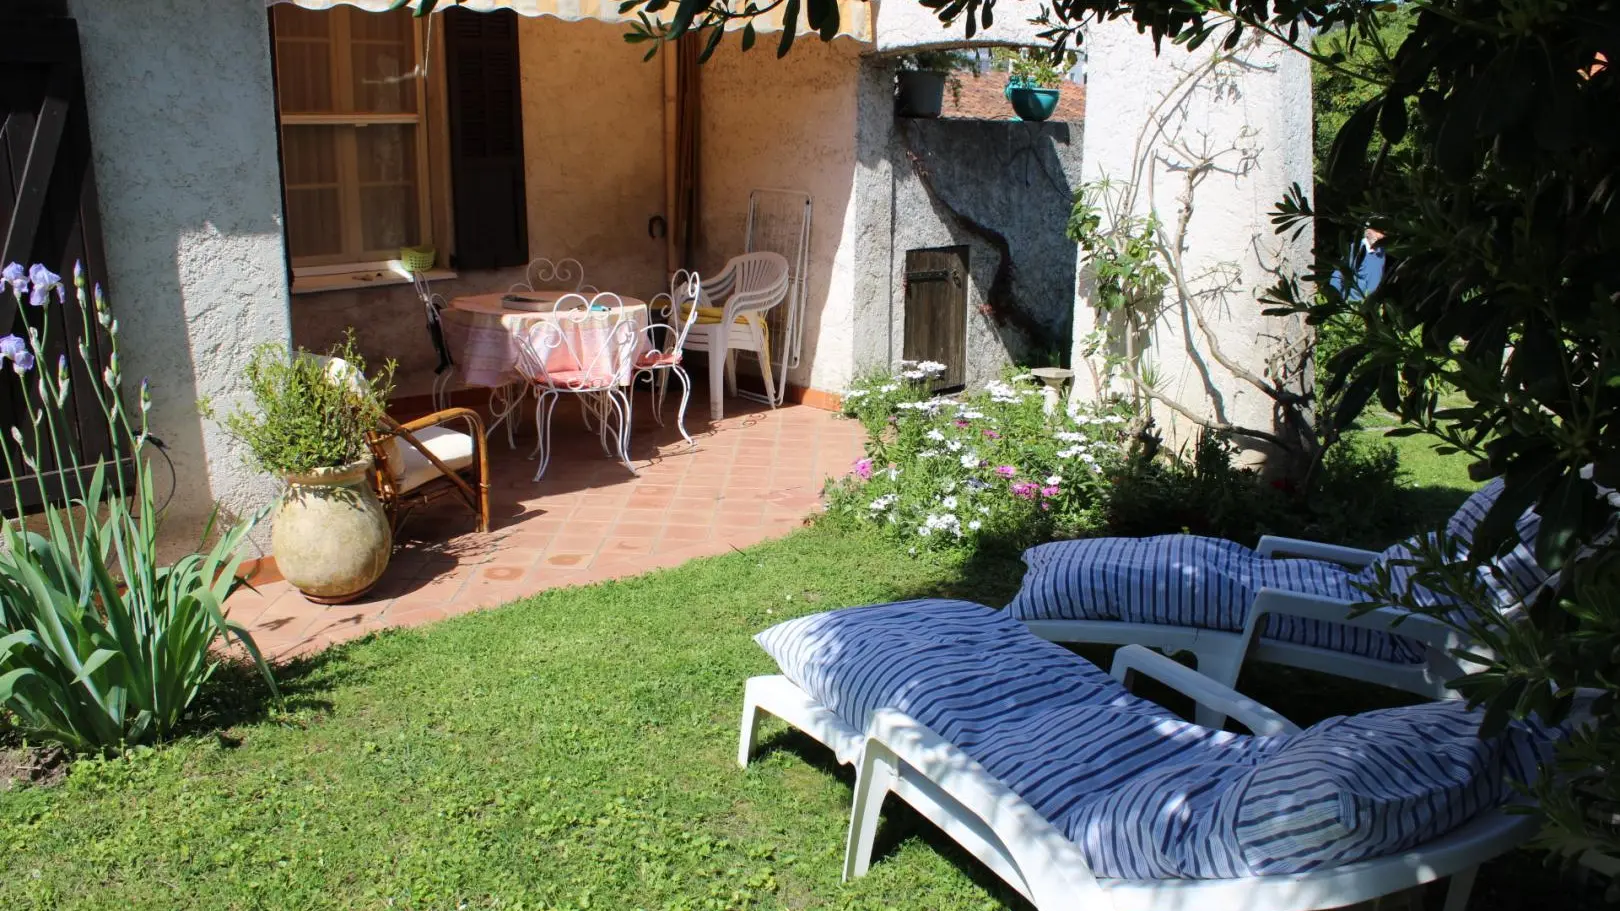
1210	583
1144	794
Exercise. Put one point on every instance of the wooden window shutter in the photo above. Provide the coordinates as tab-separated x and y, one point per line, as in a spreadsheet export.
486	139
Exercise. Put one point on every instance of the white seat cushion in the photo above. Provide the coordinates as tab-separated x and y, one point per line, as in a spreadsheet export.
411	469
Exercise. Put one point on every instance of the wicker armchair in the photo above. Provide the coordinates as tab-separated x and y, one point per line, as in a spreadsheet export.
423	460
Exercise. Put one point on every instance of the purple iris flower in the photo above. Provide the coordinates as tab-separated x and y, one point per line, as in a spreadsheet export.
14	276
45	281
14	349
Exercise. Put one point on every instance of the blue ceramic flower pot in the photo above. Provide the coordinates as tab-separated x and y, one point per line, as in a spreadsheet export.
1031	103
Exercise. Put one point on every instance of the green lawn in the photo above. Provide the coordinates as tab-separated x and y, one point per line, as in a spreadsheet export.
1437	483
572	750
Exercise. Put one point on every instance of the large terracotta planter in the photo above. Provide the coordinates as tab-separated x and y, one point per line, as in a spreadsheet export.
330	536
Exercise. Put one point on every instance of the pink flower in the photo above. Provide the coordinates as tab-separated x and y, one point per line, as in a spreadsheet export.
1008	471
991	435
960	423
863	469
1049	491
1025	490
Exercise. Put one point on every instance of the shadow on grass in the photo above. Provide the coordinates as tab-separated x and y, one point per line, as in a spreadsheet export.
900	823
238	696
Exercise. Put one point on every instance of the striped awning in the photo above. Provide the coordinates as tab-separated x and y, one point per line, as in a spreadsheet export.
854	19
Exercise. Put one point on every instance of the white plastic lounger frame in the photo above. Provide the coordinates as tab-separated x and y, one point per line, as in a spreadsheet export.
898	755
1221	654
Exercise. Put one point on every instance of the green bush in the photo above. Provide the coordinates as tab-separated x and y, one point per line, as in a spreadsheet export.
101	645
307	417
1358	497
992	469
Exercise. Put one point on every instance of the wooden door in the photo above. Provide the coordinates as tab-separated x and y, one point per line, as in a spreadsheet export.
936	312
50	215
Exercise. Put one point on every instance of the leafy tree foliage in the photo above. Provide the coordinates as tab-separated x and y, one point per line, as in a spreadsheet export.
1337	86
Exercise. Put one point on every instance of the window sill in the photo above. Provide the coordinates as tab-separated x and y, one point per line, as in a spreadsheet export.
355	281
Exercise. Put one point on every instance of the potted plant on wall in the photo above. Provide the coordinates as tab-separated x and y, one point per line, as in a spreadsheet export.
919	86
309	426
1034	81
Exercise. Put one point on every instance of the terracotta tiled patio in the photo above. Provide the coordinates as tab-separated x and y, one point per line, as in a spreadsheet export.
756	475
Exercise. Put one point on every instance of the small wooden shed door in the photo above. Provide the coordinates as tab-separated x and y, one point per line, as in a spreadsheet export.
936	311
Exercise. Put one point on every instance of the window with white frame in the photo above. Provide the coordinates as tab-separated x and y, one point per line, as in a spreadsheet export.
353	136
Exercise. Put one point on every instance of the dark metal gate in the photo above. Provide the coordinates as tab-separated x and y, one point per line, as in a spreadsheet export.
936	312
50	215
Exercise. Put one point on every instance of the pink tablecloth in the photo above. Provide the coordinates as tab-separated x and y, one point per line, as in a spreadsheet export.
483	334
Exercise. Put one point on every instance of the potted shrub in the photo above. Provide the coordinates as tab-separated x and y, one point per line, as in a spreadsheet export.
310	425
1034	80
920	83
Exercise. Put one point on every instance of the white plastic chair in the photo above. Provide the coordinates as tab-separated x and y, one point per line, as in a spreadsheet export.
561	275
664	359
596	350
745	290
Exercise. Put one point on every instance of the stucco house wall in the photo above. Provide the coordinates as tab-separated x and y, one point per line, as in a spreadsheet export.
183	130
594	174
1254	115
787	124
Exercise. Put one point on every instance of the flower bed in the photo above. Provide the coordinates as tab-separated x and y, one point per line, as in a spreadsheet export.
982	467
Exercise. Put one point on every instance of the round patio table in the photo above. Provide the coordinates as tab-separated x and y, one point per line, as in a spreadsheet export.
483	332
491	329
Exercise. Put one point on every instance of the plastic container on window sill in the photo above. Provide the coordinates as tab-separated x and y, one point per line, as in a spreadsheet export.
360	279
418	259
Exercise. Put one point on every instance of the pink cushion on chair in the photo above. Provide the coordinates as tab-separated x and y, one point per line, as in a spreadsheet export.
658	359
579	379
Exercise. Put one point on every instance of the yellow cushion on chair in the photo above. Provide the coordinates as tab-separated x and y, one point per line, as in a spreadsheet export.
711	315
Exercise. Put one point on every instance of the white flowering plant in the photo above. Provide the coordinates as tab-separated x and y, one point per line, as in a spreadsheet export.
986	467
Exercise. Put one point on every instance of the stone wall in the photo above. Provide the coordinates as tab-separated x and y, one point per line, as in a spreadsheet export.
183	130
984	178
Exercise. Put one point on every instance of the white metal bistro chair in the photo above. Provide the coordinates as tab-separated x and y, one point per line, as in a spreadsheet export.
560	275
731	311
584	353
664	358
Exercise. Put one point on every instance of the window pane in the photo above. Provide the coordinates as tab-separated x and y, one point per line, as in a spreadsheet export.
303	60
309	156
388	197
383	51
